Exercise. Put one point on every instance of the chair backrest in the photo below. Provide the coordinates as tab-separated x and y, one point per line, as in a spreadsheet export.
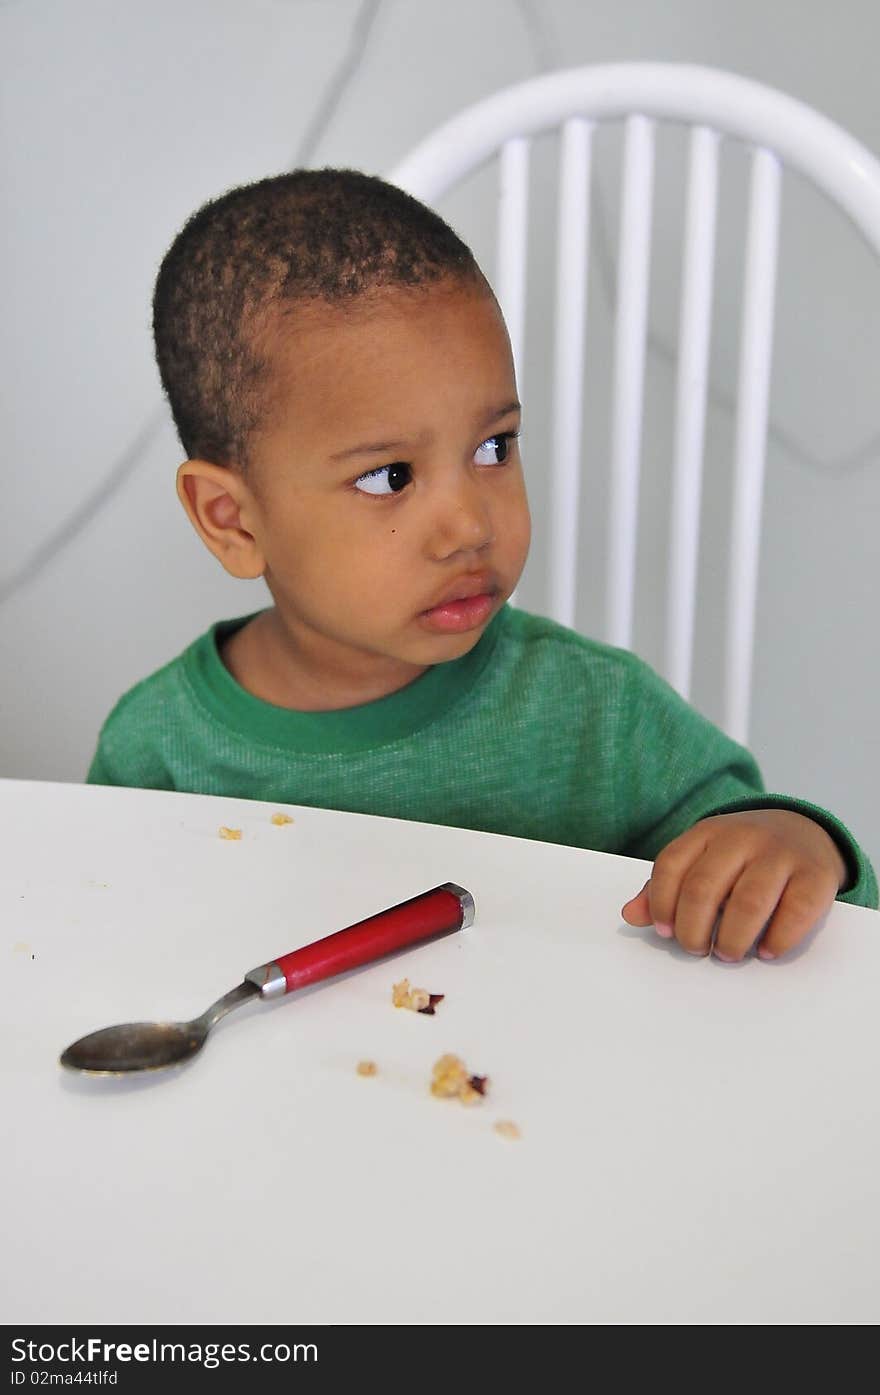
780	131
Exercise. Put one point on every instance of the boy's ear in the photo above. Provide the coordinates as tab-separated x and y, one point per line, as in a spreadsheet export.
219	506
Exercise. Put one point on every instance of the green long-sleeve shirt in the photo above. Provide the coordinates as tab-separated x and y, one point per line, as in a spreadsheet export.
537	732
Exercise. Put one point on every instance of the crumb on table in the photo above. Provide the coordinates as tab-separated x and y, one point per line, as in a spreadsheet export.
417	999
279	819
507	1128
229	833
367	1068
450	1080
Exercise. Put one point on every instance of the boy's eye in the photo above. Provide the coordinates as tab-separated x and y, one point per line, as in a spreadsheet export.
387	479
391	479
497	447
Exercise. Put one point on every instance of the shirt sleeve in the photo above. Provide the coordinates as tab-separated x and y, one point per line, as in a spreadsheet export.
685	769
99	770
123	757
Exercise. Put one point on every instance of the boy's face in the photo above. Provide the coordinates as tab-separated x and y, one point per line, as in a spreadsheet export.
386	493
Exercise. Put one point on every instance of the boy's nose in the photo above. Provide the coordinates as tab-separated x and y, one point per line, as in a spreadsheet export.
461	521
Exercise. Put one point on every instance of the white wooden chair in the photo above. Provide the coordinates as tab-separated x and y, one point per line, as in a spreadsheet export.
780	131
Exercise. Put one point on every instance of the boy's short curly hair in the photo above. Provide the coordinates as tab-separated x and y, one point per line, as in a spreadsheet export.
329	234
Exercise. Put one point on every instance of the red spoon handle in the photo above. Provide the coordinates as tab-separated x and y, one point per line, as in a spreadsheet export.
435	912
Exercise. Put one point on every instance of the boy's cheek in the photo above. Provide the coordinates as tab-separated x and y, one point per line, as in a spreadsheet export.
518	531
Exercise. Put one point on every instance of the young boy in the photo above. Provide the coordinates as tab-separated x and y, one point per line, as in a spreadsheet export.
341	381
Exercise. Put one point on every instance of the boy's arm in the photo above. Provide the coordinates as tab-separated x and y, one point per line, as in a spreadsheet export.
860	887
684	769
99	770
124	758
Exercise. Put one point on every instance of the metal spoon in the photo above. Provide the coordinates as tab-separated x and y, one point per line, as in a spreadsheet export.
138	1046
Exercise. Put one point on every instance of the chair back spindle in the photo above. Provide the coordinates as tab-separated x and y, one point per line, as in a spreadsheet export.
512	243
756	343
572	258
627	394
690	404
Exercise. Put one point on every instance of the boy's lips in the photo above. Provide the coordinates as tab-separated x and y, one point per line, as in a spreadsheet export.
464	605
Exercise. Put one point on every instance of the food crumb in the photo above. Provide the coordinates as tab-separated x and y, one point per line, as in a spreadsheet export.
507	1129
367	1068
279	819
229	832
450	1080
417	999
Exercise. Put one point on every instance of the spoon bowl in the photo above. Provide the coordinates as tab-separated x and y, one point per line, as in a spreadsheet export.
149	1045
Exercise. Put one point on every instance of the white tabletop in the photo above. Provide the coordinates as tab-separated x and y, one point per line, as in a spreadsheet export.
699	1142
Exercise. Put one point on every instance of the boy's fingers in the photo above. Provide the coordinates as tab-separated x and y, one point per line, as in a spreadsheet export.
670	869
671	866
750	905
700	893
805	899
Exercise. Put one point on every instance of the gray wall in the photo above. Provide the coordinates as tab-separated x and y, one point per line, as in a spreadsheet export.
120	119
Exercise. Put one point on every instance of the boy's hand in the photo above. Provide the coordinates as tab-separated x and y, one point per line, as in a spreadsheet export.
745	870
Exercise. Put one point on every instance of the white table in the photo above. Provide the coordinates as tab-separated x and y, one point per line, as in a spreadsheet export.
700	1142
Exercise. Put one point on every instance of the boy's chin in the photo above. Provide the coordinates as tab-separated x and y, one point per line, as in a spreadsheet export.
456	647
443	648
